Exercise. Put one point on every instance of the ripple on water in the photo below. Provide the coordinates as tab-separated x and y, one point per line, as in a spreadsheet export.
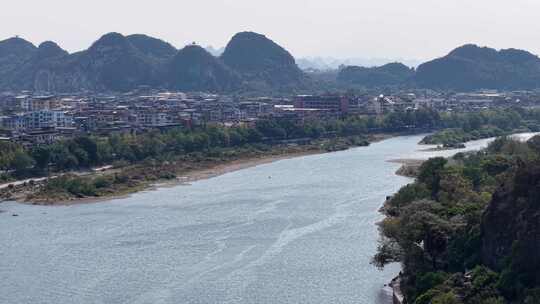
305	235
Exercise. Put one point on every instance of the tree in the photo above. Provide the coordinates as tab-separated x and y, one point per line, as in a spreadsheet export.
430	173
42	156
90	147
446	298
21	162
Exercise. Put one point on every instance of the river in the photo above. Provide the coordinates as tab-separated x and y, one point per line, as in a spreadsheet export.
300	230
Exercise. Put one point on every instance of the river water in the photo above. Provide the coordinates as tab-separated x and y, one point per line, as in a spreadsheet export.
300	230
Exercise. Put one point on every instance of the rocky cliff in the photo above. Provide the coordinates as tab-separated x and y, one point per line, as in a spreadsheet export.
511	228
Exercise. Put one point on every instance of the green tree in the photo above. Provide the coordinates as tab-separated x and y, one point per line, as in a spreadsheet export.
21	162
42	156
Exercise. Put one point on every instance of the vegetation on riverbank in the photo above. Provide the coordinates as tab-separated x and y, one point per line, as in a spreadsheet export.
460	128
409	167
187	146
84	152
127	178
455	138
467	230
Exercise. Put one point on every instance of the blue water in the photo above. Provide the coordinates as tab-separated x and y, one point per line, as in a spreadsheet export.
300	230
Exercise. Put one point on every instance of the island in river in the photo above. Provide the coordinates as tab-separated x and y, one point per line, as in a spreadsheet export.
299	230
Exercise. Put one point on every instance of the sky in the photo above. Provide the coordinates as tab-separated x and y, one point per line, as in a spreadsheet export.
412	29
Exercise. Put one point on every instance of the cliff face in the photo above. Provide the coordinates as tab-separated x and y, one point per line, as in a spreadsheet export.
511	226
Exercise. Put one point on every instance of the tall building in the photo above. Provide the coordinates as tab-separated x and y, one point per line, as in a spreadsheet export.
333	103
48	119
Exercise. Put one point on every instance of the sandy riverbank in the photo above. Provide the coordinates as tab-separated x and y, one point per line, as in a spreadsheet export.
409	167
190	173
240	164
229	167
183	179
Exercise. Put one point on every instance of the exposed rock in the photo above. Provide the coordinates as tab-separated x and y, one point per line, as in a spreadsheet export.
511	224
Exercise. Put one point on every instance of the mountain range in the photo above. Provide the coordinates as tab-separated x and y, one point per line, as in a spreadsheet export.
471	67
120	63
330	63
250	62
466	68
391	74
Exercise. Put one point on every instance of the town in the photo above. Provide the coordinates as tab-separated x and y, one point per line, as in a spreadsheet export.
35	118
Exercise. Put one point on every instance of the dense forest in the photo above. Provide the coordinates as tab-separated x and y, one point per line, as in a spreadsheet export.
468	229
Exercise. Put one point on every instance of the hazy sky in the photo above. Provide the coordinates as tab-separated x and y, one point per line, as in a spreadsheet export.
414	29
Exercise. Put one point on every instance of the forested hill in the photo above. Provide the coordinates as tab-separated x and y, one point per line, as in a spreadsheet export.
468	230
466	68
472	67
251	62
392	74
263	63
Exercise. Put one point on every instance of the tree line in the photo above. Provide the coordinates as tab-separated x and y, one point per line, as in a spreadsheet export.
88	151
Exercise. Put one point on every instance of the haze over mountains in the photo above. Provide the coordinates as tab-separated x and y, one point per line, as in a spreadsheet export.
391	74
120	63
332	63
250	62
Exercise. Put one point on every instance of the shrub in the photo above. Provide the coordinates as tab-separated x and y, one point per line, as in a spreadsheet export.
430	280
102	182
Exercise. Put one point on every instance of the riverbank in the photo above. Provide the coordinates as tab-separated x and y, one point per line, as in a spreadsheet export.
449	139
187	177
413	194
114	183
243	218
442	148
409	167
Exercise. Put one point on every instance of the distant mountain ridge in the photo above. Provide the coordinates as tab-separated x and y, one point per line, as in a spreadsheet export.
195	69
465	68
472	67
331	63
251	62
14	52
115	62
390	74
152	47
262	61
